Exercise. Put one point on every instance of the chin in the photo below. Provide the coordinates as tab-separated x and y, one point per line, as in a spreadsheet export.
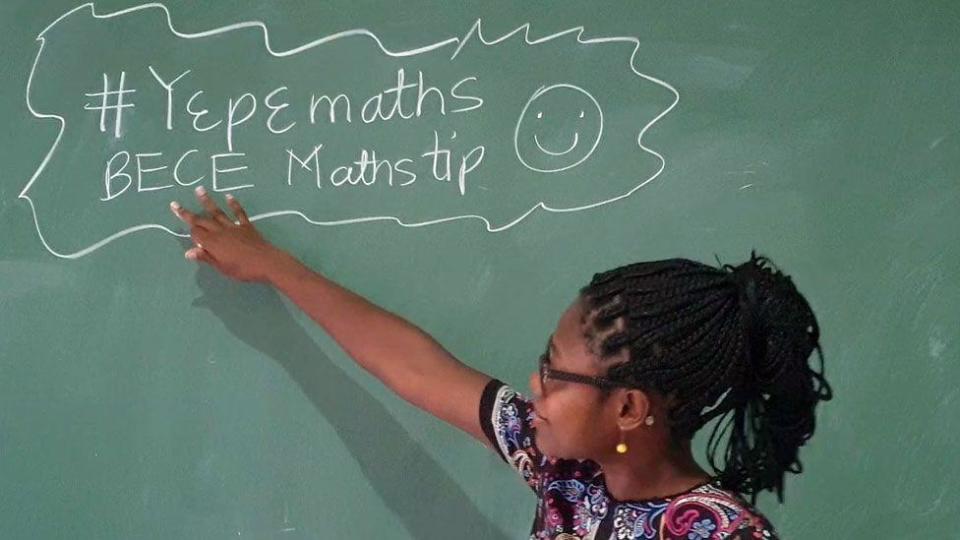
545	447
550	451
550	448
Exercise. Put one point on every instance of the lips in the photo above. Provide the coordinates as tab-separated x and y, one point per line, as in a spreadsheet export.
576	139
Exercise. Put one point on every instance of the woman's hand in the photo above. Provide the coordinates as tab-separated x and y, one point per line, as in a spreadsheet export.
235	248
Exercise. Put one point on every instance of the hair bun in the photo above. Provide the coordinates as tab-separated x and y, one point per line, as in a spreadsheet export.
761	291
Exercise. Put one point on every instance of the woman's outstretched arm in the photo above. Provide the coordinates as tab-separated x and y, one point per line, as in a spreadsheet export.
404	357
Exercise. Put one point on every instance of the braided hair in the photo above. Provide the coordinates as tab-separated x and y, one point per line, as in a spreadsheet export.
731	342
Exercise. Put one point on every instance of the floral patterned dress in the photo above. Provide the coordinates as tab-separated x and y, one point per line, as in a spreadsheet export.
573	502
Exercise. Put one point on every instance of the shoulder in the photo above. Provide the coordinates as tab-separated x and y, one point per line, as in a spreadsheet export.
504	412
505	417
711	512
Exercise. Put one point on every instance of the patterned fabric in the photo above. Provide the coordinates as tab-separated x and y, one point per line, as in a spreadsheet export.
573	502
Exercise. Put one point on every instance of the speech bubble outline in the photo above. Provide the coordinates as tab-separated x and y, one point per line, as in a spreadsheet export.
475	30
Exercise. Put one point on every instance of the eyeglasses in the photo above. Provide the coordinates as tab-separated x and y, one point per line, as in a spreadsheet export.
547	373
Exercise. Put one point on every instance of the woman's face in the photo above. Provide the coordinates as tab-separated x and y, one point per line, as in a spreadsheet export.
573	421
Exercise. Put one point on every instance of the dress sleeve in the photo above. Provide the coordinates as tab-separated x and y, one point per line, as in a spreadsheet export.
505	417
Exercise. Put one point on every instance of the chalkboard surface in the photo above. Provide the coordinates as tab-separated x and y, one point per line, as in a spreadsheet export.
469	167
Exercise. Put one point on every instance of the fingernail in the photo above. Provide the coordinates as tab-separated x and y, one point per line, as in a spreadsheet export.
190	255
230	197
201	191
175	206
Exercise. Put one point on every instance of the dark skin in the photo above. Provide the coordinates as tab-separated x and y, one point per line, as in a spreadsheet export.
574	421
577	421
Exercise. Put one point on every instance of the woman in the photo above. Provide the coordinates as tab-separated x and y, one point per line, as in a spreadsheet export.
645	356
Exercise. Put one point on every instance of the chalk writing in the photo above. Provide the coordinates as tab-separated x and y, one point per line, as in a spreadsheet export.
414	131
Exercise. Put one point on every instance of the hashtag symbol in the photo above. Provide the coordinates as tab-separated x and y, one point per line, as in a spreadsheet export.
117	107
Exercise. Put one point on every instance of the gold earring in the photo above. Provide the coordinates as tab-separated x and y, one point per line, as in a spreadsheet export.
648	420
622	447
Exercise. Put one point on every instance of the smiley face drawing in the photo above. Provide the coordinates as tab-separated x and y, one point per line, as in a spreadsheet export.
543	140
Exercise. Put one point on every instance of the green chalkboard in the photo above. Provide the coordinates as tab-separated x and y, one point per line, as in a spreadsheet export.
468	166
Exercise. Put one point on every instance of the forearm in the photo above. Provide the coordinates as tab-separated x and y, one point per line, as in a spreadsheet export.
392	349
406	359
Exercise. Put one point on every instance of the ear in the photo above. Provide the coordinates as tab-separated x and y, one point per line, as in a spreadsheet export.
633	408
